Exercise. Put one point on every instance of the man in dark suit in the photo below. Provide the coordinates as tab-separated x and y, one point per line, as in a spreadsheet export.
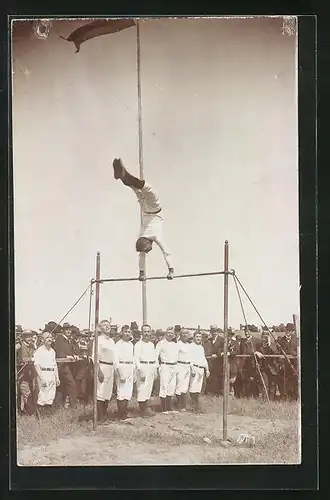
80	368
64	349
269	367
288	380
213	348
247	367
233	349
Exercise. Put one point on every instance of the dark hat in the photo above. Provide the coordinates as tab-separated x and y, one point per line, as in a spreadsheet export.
177	328
134	325
27	333
52	326
214	328
66	326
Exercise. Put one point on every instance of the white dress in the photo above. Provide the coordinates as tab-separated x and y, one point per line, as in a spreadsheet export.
125	368
167	353
146	366
44	359
106	360
184	368
198	365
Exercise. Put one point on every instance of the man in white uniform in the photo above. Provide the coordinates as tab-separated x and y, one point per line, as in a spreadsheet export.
152	222
146	367
125	368
47	374
183	370
167	353
106	357
198	367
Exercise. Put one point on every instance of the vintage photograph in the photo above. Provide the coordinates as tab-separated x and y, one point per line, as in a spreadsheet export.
156	241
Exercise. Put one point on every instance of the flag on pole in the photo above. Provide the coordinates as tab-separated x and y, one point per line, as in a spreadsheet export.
97	28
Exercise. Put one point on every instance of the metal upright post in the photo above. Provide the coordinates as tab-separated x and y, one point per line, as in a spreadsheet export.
225	349
90	306
96	323
138	53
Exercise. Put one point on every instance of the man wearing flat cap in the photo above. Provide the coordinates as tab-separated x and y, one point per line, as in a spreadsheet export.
64	349
288	380
26	372
214	349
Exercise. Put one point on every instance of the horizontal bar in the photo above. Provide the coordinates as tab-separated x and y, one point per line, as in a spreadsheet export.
70	360
265	356
61	360
216	273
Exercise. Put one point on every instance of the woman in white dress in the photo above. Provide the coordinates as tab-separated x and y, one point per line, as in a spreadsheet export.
47	374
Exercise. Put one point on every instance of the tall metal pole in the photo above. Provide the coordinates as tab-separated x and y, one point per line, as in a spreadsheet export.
96	323
90	306
225	349
138	55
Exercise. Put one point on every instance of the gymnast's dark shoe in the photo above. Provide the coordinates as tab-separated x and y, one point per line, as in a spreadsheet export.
118	168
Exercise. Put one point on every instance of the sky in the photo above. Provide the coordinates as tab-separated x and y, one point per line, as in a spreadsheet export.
220	145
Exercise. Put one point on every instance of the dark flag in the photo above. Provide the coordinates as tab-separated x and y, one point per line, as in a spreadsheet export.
97	28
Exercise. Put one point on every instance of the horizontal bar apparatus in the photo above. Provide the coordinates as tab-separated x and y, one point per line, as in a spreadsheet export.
290	356
216	273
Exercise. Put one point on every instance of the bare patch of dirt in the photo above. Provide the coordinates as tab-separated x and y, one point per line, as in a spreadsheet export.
161	440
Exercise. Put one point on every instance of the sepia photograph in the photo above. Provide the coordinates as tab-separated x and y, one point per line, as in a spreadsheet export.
156	241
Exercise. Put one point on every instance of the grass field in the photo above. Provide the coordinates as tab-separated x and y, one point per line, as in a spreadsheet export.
67	437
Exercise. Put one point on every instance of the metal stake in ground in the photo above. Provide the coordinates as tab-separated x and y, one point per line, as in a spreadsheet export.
96	323
225	348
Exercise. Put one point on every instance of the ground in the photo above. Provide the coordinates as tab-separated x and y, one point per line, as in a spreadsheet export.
67	438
